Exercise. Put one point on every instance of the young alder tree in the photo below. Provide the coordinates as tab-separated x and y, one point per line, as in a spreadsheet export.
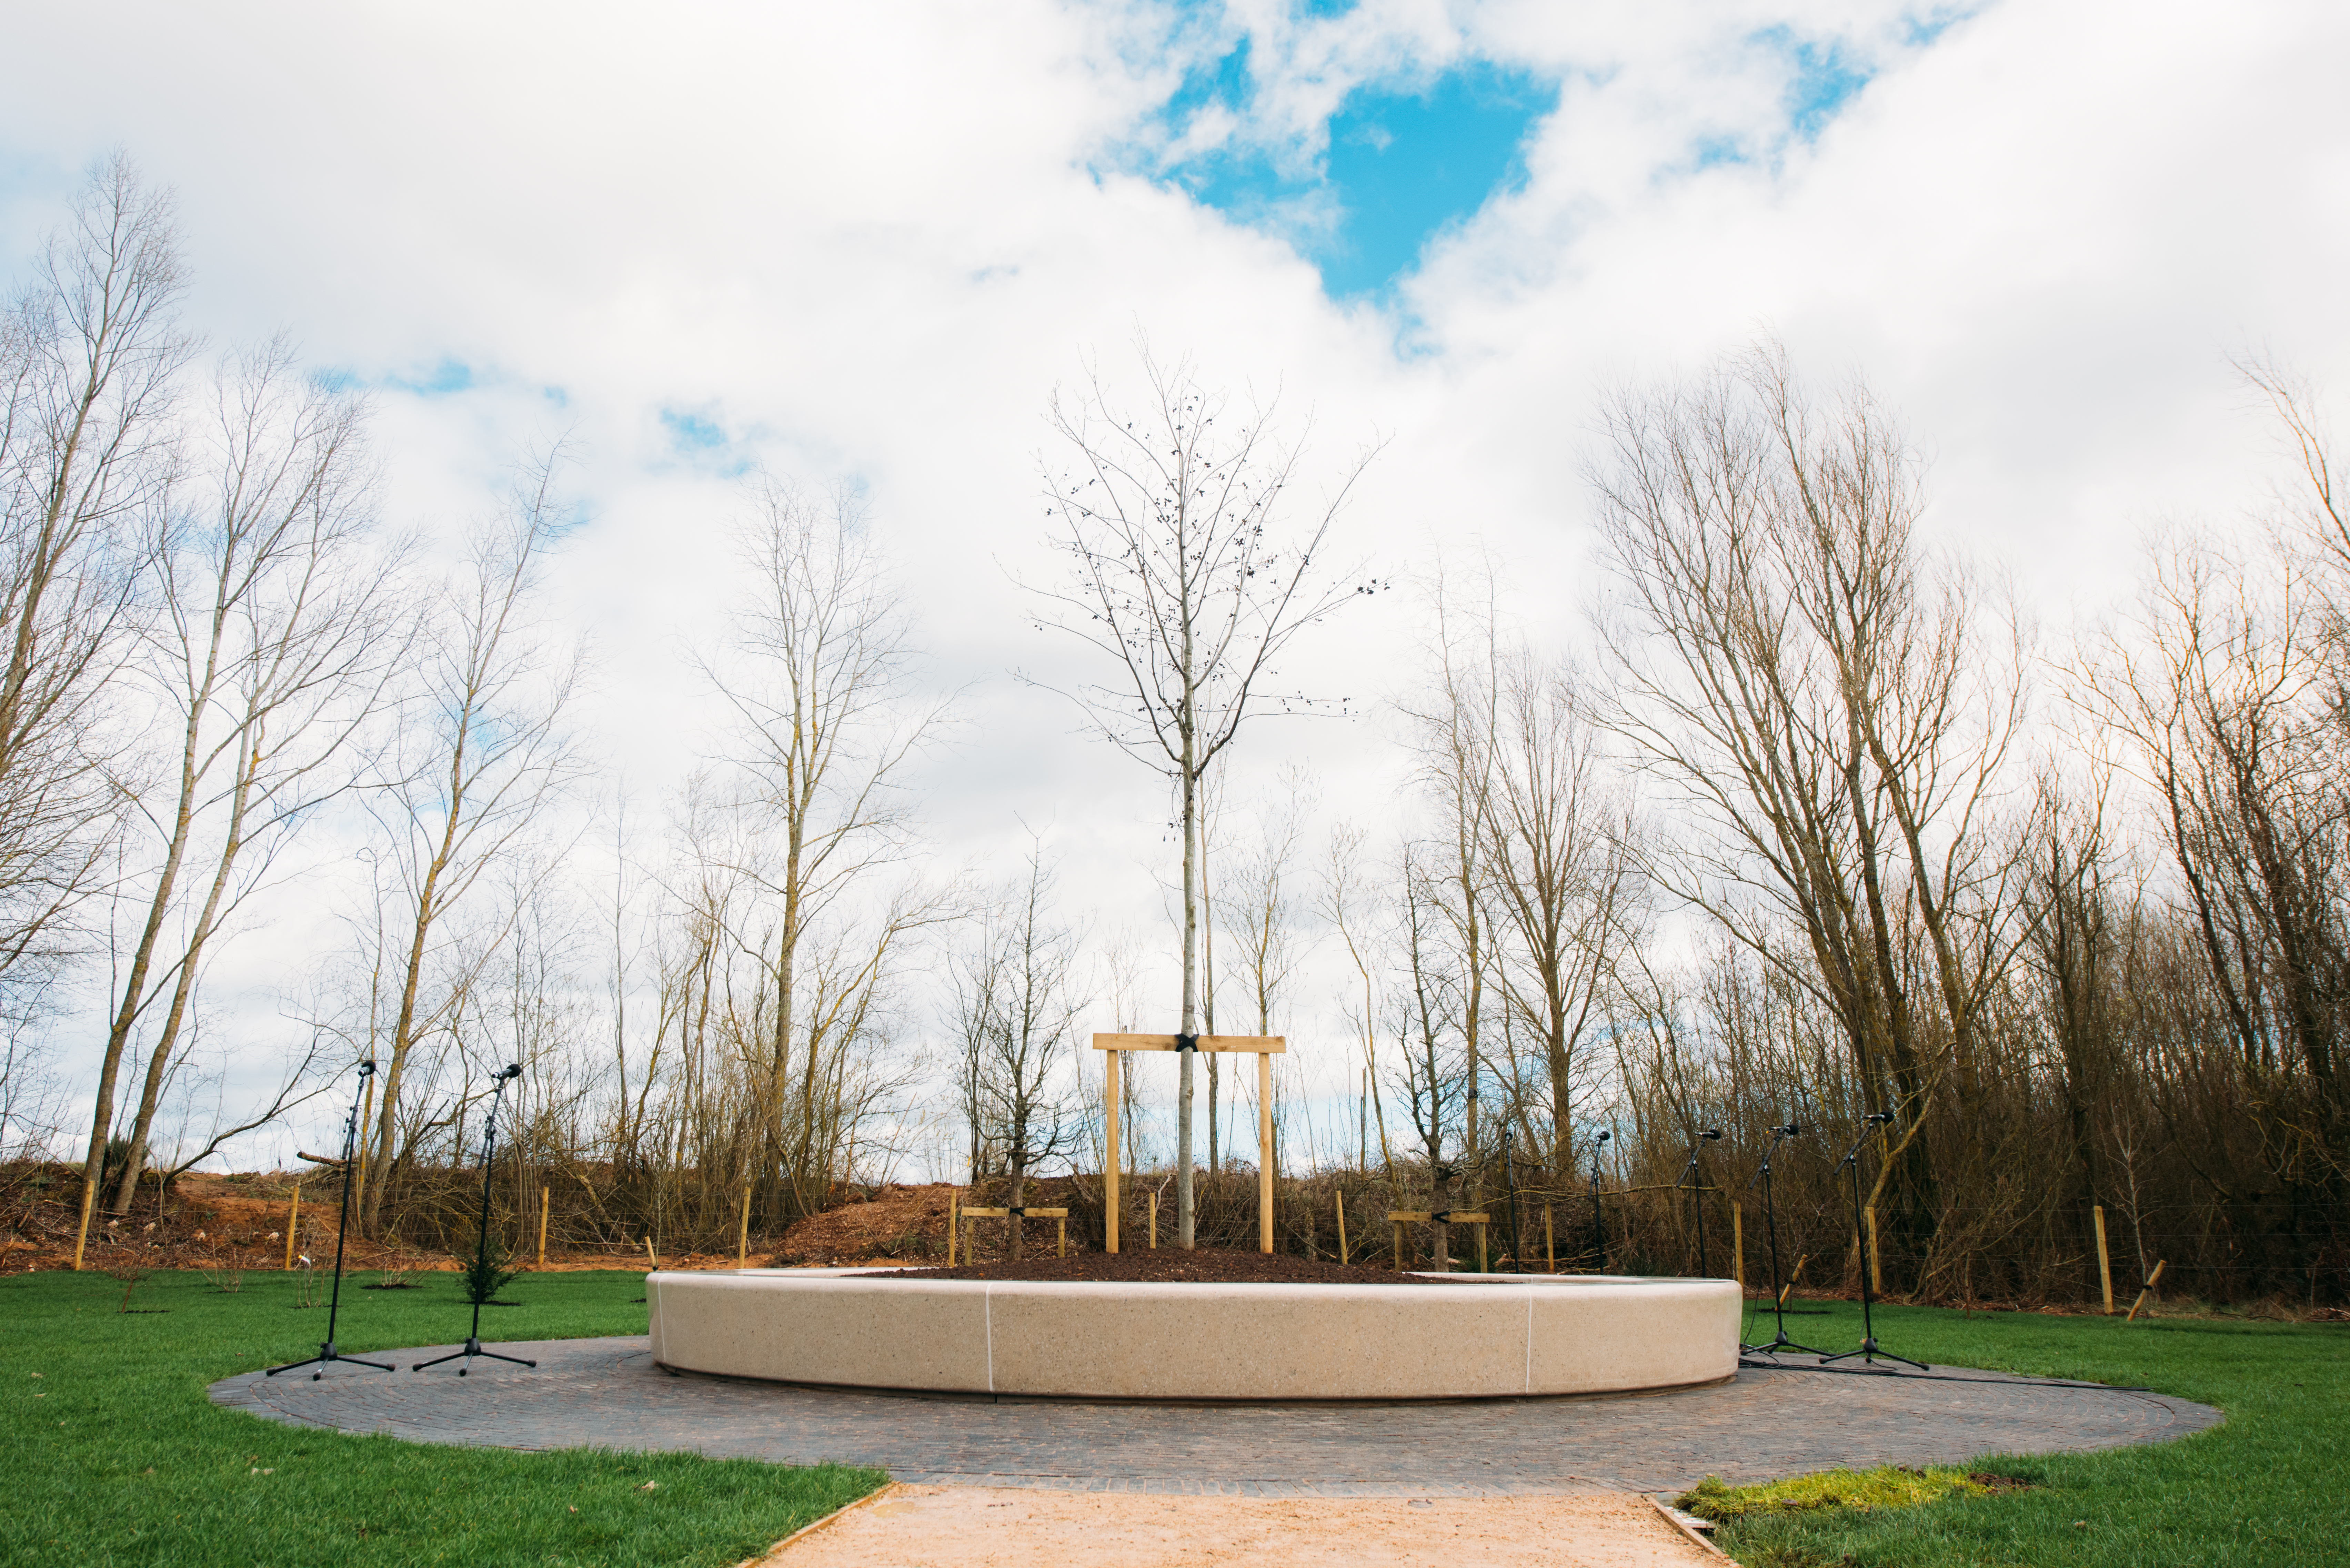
489	758
1184	578
90	354
271	655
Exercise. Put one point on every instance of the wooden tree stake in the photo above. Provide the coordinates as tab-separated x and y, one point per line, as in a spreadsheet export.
1341	1206
1549	1240
293	1212
2150	1281
2105	1264
543	1197
89	1200
1109	1165
1738	1243
743	1236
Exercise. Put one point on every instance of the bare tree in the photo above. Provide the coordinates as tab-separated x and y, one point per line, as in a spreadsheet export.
490	755
1791	662
821	675
89	357
1182	577
271	654
1016	1010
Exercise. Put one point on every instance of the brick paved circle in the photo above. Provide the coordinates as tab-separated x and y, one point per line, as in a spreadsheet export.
1765	1423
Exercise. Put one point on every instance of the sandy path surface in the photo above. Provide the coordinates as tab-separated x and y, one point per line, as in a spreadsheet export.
976	1527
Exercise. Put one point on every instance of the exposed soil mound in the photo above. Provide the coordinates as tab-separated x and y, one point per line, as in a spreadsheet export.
1168	1265
897	1222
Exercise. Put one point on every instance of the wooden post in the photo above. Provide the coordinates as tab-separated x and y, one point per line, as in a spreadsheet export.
293	1212
1738	1243
1875	1274
649	1251
2105	1264
1342	1224
953	1224
1154	1222
1793	1275
743	1236
1482	1259
1065	1236
1264	1152
90	1202
1398	1246
1549	1240
1109	1165
2150	1281
543	1195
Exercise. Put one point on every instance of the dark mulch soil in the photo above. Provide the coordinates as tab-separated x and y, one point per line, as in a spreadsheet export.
1169	1265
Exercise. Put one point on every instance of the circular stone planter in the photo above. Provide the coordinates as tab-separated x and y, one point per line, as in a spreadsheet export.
1487	1337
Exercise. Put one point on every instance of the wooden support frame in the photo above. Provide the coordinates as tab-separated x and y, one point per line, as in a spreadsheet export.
1006	1215
1263	1047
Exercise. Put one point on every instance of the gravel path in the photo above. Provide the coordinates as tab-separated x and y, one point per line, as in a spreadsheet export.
1763	1424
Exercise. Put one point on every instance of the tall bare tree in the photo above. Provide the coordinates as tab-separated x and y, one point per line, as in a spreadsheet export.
489	755
1840	705
1184	578
90	354
272	652
820	673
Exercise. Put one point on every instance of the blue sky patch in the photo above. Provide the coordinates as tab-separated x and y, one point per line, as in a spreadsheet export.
1826	79
1401	165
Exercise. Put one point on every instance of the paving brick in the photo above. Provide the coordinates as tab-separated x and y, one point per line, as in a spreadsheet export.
1767	1422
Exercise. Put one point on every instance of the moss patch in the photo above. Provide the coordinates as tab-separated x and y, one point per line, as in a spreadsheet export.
1887	1486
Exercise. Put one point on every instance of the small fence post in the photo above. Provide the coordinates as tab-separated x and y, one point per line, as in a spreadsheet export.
1738	1243
1154	1222
953	1224
293	1212
2105	1264
1875	1274
743	1236
544	1193
1550	1240
1341	1204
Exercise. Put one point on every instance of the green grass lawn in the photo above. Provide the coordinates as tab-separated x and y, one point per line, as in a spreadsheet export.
113	1455
2266	1488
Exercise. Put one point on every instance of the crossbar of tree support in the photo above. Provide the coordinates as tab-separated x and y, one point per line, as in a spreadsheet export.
1263	1047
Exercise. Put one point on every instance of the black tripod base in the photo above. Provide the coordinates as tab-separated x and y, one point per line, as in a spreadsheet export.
1780	1344
326	1352
1872	1353
472	1348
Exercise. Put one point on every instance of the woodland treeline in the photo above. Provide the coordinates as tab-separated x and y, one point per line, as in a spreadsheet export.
1813	824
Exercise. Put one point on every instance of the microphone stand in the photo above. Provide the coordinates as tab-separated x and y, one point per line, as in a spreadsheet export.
1696	1190
1771	1226
327	1351
481	1251
1869	1349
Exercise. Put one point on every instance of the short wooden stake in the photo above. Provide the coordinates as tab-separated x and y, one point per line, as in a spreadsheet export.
2150	1281
1398	1246
1065	1236
543	1194
1340	1204
1154	1222
649	1251
1549	1240
293	1212
950	1228
1738	1243
2105	1264
90	1202
1875	1274
743	1236
1793	1275
1481	1260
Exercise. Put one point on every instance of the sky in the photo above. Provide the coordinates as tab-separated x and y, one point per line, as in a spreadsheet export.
866	244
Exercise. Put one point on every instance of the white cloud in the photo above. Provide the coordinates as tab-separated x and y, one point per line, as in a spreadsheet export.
867	241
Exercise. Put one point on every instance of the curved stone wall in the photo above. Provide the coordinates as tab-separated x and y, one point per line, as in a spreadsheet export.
1490	1336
